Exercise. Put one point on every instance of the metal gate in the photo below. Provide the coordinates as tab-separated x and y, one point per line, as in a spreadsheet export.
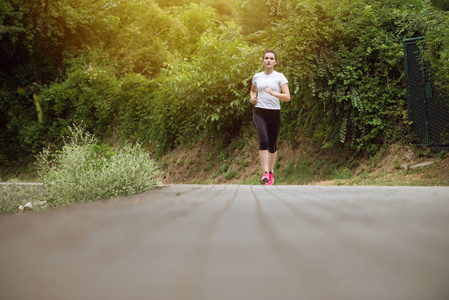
427	107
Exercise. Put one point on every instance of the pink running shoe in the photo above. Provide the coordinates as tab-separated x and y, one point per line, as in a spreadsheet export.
271	179
265	178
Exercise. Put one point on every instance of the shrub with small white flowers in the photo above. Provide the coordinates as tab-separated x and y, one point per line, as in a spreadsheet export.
84	170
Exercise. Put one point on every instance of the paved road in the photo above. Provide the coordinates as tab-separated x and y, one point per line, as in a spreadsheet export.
234	243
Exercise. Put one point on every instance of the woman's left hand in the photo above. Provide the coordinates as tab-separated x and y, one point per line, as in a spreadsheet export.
269	90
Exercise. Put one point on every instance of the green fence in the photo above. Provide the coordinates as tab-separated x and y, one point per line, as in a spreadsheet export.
428	108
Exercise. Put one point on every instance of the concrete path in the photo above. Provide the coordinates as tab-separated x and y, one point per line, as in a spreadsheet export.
234	243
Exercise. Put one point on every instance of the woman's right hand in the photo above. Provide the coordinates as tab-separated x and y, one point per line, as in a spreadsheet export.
253	94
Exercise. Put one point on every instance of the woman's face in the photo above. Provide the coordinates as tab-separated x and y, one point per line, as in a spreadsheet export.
269	60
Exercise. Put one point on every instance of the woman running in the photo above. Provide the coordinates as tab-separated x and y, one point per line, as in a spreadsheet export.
267	89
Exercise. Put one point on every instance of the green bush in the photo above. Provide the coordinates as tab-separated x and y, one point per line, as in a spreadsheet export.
136	107
441	4
215	84
89	94
344	61
86	171
436	26
80	52
168	73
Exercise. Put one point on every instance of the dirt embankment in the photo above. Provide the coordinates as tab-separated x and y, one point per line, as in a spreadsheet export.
305	163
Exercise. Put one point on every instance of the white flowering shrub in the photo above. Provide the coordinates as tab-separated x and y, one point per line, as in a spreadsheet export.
86	171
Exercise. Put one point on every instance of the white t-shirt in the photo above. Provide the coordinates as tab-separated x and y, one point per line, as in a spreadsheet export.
274	80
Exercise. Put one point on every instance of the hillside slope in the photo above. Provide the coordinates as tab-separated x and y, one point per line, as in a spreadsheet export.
305	164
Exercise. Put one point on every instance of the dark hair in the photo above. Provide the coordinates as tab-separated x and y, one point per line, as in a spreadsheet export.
270	51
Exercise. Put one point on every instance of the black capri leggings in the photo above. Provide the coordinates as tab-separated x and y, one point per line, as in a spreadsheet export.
267	123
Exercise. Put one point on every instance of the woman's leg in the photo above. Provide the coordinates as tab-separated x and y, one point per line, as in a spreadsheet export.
260	122
273	131
267	123
264	160
271	161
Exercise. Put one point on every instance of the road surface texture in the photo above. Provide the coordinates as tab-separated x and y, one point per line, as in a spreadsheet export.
231	242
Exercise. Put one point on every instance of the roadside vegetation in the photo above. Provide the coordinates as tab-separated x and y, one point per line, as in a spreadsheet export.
172	78
83	170
306	164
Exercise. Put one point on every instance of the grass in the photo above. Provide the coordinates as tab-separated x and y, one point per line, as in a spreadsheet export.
436	174
13	195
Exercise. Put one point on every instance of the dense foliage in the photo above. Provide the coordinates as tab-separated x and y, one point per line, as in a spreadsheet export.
168	72
346	70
